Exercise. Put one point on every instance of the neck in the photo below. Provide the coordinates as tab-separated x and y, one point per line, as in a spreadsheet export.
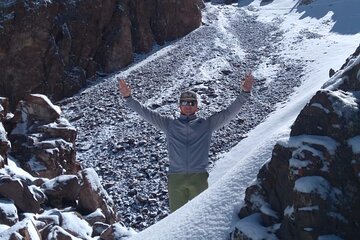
190	117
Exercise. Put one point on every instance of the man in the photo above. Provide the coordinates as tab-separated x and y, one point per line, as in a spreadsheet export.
188	139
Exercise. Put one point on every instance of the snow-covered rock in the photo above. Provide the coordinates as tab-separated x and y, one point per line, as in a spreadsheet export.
61	206
44	140
316	171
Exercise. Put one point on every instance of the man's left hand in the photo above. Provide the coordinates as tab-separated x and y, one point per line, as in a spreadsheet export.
248	82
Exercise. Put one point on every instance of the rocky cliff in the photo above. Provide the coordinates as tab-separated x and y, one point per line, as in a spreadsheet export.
310	188
52	47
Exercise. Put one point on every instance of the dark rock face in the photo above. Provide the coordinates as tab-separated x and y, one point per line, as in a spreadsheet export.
53	47
311	185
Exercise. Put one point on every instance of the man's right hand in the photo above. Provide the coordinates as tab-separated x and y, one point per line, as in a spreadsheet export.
124	88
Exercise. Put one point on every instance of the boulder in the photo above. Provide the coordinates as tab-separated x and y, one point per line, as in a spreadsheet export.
8	212
93	196
98	228
96	216
62	191
42	139
23	196
74	223
24	230
55	232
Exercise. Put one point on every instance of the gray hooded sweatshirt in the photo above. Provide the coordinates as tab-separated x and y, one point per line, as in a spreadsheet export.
188	137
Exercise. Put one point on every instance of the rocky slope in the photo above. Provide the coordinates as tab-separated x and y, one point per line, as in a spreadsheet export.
311	185
44	193
52	47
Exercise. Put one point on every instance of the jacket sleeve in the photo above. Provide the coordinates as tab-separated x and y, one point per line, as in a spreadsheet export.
221	118
152	117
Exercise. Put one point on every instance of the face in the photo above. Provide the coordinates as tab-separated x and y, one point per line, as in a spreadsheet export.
188	108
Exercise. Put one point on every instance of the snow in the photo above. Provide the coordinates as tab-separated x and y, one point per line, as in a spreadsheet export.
313	184
27	224
303	141
36	165
345	104
97	213
324	34
289	212
310	208
93	178
21	126
251	227
121	232
354	143
73	224
336	80
318	105
12	169
56	108
53	183
8	209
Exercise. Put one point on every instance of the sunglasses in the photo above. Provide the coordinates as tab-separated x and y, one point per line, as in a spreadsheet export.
188	103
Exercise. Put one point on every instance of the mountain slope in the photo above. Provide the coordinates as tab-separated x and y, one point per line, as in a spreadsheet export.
129	154
316	41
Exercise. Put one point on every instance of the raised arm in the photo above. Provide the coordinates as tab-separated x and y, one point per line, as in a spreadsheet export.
152	117
221	118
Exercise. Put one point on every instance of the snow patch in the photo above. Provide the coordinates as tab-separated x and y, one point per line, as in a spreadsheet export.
289	211
313	184
305	140
36	165
296	163
251	226
318	105
338	78
266	209
121	232
56	108
309	208
8	208
354	143
53	183
73	223
345	104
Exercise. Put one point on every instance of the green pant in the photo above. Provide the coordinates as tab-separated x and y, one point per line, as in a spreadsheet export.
184	187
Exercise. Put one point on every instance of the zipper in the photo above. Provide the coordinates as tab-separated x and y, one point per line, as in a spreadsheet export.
187	147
